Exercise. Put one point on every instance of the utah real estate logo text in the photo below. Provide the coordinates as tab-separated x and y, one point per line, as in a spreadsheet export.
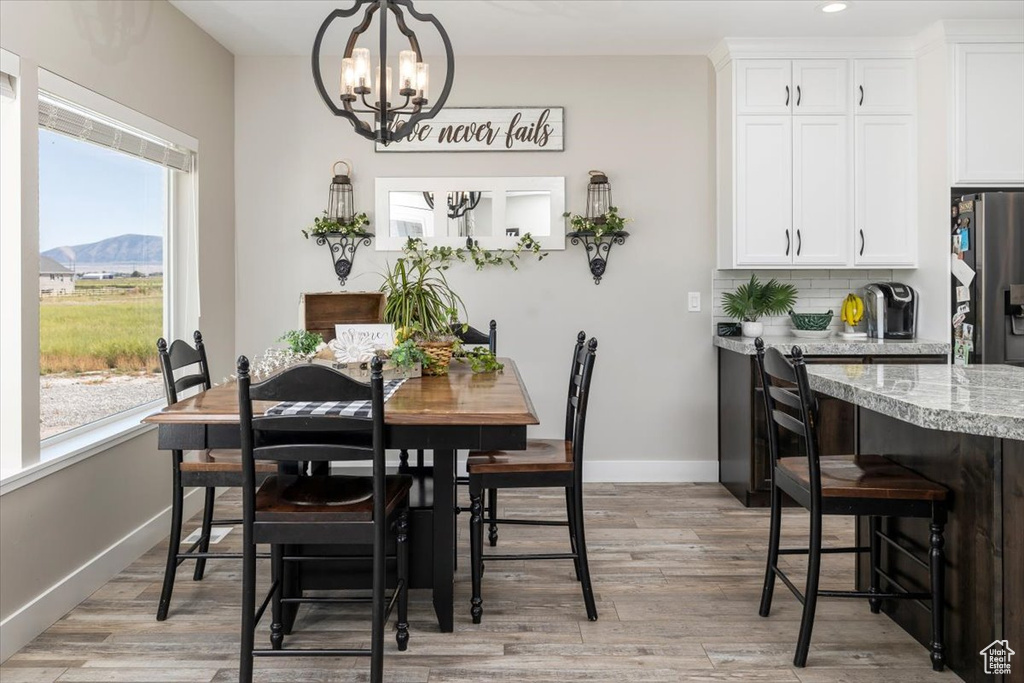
996	656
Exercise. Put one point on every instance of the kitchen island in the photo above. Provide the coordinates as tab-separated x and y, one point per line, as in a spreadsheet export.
962	427
744	466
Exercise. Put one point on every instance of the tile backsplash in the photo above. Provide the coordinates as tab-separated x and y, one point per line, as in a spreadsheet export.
818	291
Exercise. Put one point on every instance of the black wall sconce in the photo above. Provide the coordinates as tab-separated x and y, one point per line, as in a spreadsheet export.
346	228
601	227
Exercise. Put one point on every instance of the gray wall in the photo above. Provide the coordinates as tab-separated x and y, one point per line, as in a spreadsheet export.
645	121
147	56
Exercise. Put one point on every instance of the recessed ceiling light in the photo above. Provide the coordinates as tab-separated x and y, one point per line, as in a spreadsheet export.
833	7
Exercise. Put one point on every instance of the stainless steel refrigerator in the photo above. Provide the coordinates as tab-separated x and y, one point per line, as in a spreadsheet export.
987	317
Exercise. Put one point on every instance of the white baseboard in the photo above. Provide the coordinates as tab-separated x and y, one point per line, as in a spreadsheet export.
17	630
650	471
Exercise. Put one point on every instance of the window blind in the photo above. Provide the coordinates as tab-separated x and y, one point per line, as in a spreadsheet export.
6	85
62	117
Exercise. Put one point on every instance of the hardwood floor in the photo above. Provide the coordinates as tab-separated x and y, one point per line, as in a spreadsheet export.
677	572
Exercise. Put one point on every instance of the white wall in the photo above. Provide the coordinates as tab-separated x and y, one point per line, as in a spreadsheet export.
655	375
66	534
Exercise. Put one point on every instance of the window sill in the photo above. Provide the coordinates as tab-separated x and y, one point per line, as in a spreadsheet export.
66	450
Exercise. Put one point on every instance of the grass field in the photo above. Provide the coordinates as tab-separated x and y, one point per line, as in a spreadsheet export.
106	324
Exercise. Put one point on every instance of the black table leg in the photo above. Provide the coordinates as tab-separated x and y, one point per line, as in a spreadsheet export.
444	538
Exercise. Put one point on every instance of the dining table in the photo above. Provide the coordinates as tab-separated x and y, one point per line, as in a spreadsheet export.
461	410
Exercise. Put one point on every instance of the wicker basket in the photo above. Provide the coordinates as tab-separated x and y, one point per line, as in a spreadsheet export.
440	356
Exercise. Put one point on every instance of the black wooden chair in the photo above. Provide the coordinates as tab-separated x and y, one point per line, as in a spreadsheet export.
860	485
319	509
546	463
205	469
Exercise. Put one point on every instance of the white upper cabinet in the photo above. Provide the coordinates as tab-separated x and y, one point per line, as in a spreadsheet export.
764	191
764	86
989	114
817	158
884	86
885	212
822	215
820	86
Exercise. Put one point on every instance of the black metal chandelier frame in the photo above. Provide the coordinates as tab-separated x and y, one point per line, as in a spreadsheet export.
389	127
467	201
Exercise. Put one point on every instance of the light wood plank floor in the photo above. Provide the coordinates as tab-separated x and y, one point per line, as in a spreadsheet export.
677	572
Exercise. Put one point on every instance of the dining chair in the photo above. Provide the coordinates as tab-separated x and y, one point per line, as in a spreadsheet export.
869	486
319	416
546	463
205	469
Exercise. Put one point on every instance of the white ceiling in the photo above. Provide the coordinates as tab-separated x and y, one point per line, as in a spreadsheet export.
591	27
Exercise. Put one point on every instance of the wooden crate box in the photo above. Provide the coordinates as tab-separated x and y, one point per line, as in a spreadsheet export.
321	311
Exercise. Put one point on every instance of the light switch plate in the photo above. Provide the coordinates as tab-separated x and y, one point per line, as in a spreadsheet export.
693	301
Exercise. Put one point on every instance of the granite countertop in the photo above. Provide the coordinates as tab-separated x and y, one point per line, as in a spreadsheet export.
987	400
837	346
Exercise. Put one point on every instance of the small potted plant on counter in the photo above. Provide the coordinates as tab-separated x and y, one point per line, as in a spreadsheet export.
422	306
754	300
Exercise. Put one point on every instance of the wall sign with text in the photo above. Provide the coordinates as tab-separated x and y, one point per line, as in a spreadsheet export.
486	129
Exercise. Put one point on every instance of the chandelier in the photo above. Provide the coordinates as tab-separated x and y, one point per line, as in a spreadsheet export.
458	202
363	93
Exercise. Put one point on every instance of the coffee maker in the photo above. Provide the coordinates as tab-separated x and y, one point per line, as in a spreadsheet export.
891	310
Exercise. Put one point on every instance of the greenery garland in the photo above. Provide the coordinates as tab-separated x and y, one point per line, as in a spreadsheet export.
442	258
613	223
322	225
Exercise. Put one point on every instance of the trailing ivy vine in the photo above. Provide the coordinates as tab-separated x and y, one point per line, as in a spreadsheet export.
442	258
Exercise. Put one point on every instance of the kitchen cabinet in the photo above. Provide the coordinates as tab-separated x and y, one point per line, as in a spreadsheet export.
764	86
988	90
821	189
884	86
820	86
744	464
764	193
885	185
817	162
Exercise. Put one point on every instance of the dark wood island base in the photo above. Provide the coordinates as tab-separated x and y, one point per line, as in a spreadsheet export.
984	539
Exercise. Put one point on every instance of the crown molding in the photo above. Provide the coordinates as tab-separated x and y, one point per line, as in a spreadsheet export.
809	48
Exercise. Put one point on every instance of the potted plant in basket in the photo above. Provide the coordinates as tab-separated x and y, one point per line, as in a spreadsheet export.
422	307
754	299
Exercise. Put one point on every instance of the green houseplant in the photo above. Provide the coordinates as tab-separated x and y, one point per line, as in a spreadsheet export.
753	300
422	306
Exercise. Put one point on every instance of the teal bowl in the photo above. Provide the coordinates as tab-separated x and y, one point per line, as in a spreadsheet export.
811	321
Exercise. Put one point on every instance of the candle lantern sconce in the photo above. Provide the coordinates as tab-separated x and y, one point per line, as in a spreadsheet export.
600	228
344	241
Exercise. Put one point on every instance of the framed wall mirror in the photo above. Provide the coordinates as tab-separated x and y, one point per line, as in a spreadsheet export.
495	212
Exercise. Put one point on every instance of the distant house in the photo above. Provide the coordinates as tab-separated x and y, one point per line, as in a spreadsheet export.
54	279
96	276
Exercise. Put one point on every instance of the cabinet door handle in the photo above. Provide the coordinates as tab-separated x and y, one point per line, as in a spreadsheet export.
861	243
799	242
787	95
861	102
798	95
787	241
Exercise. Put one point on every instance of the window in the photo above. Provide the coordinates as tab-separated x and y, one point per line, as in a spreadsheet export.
101	212
114	239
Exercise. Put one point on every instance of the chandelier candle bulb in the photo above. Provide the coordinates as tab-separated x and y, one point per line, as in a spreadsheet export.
361	60
348	79
423	80
407	73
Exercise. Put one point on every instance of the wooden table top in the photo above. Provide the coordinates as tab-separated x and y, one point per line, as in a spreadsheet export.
460	398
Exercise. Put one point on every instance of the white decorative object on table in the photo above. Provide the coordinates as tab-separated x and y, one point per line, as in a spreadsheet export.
812	334
352	346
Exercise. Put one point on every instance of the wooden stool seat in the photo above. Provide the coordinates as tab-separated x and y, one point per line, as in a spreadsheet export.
220	460
326	498
541	455
863	476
